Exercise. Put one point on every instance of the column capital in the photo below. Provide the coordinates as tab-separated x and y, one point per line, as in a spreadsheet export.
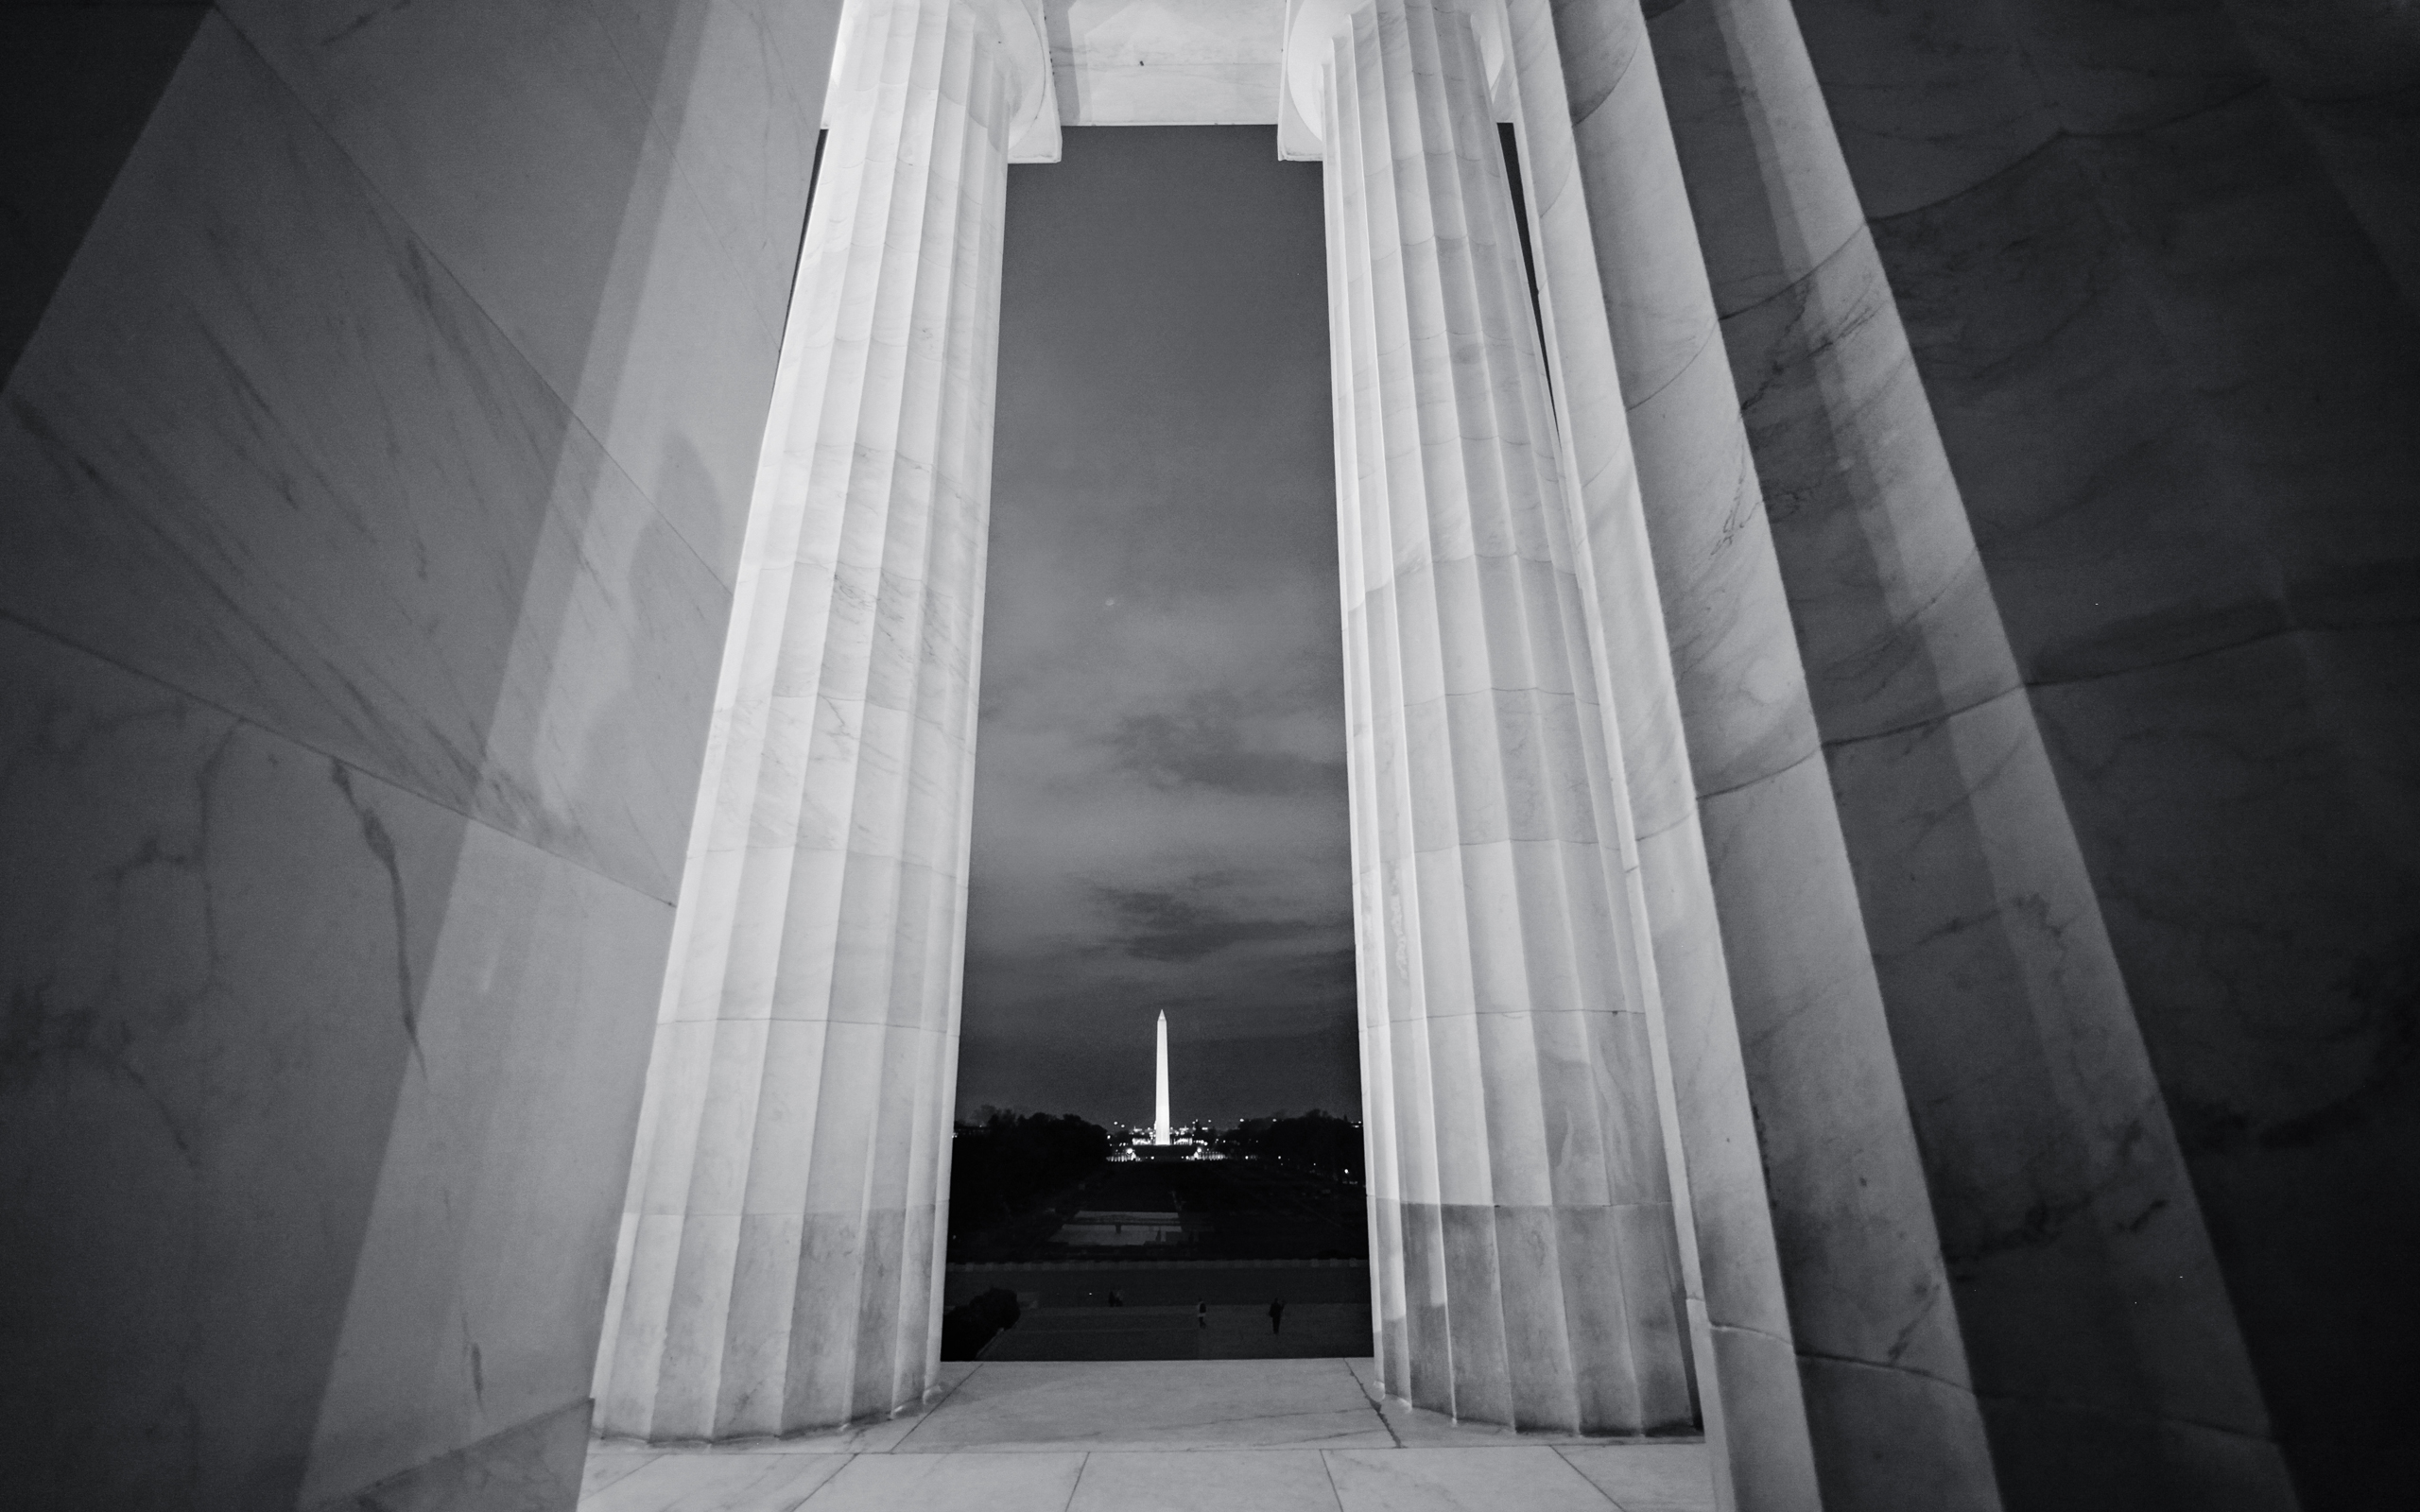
1017	29
1311	25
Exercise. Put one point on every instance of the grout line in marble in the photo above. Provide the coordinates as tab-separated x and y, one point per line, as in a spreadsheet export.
314	748
1798	286
931	1407
846	1460
637	1463
1167	1447
1816	754
1710	340
1563	1453
1378	1405
2065	134
2280	632
1330	1471
1929	722
513	340
1950	1381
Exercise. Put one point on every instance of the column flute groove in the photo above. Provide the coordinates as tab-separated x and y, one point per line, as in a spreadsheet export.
781	1260
1523	1253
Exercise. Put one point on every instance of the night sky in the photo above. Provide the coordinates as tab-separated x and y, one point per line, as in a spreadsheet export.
1159	790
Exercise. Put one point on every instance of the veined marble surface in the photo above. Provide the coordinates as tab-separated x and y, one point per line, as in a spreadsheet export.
2160	329
364	589
1294	1436
1822	1242
1523	1252
2013	1033
1166	63
378	476
778	1265
682	249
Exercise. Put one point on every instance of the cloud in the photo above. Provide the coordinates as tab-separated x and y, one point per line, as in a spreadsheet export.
1213	743
1186	926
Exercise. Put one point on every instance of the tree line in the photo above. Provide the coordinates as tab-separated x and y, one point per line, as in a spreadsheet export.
1316	1140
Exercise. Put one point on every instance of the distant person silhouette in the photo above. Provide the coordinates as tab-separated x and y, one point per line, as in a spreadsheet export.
1202	1313
1116	1301
1276	1313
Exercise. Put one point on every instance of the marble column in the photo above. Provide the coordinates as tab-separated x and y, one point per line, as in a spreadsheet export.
1827	1300
1745	1367
1523	1259
2096	1322
780	1250
2176	386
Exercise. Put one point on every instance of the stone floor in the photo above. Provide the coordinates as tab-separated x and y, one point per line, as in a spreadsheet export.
1204	1436
1314	1331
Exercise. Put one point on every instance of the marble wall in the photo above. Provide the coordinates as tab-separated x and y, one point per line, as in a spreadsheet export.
76	84
1166	63
2349	72
376	473
2161	332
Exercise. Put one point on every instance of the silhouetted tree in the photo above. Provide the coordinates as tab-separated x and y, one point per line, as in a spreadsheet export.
1316	1140
1011	1161
969	1326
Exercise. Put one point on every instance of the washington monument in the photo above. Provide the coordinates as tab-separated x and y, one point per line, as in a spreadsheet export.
1160	1091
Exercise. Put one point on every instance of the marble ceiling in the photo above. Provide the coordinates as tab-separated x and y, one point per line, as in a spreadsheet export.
1166	63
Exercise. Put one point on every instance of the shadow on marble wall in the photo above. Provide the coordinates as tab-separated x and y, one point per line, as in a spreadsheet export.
2350	73
76	83
2176	377
375	476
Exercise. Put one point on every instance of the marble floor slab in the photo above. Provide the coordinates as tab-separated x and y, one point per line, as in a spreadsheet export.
1138	1405
607	1465
950	1482
718	1483
1530	1476
1416	1428
1313	1331
1182	1435
1205	1479
1646	1477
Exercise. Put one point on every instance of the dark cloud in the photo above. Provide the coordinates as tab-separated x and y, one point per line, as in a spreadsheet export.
1158	812
1204	744
1332	971
1184	926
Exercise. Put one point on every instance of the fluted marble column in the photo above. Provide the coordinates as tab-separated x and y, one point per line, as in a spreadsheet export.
2094	1319
1758	1435
1840	1379
1523	1258
780	1261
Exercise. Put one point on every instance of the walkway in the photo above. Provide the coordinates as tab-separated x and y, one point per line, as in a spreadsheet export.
1209	1435
1314	1331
